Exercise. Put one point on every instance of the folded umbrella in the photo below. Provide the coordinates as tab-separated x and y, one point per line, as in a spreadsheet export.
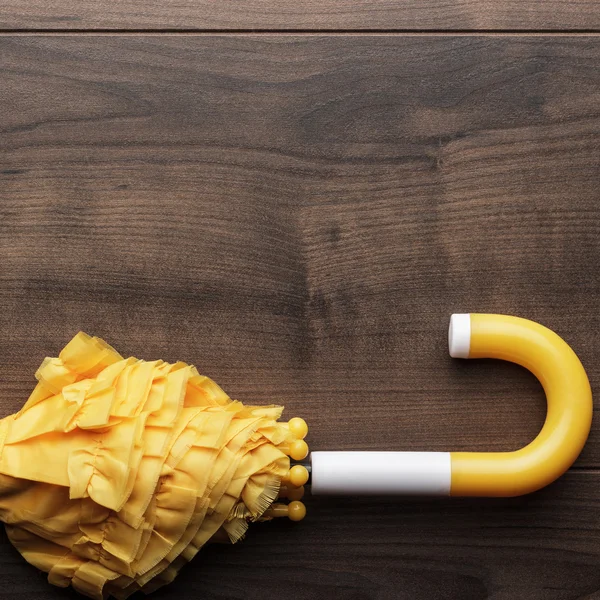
117	471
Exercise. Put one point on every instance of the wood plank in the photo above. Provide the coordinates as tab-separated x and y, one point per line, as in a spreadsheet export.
303	234
543	547
288	15
540	547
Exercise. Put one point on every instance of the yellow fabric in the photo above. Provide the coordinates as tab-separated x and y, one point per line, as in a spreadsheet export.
117	471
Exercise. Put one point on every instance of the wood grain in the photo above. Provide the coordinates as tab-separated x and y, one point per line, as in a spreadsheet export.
299	216
289	15
541	547
304	234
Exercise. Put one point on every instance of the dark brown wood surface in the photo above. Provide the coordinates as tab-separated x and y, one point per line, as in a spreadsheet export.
299	216
362	15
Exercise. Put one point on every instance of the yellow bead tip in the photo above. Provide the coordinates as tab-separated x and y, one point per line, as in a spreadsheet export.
296	511
298	428
292	493
298	450
297	476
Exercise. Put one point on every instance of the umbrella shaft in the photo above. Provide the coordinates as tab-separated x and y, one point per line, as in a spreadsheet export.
372	473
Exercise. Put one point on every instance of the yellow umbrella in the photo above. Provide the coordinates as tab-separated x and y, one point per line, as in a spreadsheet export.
117	471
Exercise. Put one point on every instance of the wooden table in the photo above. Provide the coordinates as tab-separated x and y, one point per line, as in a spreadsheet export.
295	196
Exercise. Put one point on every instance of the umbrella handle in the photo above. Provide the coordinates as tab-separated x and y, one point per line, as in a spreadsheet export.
548	456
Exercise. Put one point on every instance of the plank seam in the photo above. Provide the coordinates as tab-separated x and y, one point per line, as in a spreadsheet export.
311	32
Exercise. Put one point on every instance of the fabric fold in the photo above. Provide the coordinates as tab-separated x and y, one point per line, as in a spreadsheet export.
117	471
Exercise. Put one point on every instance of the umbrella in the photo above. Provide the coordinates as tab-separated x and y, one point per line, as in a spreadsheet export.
118	470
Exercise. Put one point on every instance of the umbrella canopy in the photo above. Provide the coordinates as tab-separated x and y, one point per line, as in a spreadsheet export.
117	471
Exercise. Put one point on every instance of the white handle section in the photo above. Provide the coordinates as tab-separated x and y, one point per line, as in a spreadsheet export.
408	473
459	335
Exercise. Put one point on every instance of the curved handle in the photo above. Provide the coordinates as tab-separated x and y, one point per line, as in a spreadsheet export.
539	463
568	394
